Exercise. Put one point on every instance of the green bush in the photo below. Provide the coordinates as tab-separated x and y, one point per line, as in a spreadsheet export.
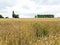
45	32
39	33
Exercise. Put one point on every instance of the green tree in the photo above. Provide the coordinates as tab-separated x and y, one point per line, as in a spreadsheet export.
44	16
6	17
15	15
1	16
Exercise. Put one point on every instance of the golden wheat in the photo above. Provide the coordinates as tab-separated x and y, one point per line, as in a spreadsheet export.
23	31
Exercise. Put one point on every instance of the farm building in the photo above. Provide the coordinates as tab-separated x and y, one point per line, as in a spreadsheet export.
44	16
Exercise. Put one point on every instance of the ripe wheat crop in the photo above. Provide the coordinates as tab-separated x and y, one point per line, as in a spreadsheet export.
34	31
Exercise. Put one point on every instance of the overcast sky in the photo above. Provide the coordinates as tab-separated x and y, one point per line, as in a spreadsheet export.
29	8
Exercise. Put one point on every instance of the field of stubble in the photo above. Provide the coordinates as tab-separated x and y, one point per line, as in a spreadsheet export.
34	31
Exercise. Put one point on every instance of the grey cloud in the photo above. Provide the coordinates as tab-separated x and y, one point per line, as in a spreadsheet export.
4	4
47	2
28	15
7	3
25	7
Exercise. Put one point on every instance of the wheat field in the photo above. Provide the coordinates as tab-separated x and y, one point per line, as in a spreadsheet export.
30	31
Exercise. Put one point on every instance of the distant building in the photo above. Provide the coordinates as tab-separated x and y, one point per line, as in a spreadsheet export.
44	16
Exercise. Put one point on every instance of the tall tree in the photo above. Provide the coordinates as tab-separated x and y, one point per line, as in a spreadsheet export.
1	16
14	15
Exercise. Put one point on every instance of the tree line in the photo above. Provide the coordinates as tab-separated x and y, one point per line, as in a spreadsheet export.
13	15
37	16
44	16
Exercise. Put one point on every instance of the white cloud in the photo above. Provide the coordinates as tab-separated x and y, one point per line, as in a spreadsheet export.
28	8
47	2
